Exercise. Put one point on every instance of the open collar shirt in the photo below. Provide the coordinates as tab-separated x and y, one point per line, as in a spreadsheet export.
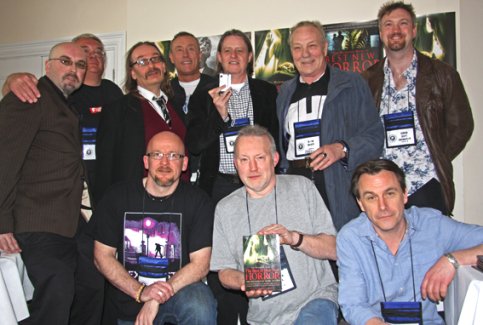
431	235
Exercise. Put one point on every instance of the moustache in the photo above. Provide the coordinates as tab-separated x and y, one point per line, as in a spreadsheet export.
396	34
152	71
70	75
164	169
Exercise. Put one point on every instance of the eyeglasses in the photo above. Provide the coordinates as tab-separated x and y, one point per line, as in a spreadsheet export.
156	155
98	54
145	61
68	63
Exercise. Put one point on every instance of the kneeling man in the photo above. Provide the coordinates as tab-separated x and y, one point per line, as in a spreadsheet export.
153	242
390	255
291	207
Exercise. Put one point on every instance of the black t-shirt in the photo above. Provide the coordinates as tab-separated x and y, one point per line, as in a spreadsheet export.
153	236
307	91
89	101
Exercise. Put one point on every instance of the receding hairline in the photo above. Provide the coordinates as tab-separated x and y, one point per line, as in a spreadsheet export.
308	23
57	47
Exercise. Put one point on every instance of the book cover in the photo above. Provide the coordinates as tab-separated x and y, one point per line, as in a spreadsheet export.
261	258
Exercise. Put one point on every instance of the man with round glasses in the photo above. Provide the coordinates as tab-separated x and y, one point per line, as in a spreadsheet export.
41	178
161	229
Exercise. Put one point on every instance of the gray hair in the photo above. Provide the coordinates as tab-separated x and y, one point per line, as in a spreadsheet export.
256	131
307	23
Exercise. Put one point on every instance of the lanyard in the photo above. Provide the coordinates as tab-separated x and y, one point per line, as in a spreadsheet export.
379	272
248	211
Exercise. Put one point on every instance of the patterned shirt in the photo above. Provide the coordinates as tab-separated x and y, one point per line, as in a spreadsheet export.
239	106
414	160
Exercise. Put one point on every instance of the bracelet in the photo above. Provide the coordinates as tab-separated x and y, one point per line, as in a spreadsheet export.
299	242
139	293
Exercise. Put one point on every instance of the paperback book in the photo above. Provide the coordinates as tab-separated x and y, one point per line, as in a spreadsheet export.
261	257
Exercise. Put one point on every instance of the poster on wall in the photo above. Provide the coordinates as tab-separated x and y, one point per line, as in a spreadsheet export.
273	60
436	36
353	46
208	49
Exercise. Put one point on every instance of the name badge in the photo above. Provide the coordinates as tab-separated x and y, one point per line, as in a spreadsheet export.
88	143
400	129
288	281
231	134
307	137
398	312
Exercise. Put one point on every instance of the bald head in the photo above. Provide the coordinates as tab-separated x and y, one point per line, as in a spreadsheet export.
165	161
166	138
66	66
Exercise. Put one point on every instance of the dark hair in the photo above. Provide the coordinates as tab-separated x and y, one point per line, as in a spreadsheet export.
390	6
246	40
373	167
183	33
130	84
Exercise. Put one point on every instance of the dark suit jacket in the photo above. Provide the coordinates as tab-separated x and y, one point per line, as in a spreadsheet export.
40	164
180	95
205	125
121	143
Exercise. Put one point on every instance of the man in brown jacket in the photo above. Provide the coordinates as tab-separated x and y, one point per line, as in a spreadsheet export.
41	178
424	107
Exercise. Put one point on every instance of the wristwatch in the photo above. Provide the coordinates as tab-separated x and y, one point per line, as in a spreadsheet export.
345	148
452	260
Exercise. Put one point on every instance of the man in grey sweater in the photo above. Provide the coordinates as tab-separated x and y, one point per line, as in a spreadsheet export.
291	207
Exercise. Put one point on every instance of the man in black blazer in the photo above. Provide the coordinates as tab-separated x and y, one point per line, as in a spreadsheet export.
214	118
189	82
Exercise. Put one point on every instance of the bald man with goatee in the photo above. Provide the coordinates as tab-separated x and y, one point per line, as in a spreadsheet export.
41	178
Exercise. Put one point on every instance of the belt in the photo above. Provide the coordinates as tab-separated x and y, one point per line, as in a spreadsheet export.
232	178
301	163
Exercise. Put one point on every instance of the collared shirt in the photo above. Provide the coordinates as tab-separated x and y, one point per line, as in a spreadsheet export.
151	98
432	235
239	106
414	160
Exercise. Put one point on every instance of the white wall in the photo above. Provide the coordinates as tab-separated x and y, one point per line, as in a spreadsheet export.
25	21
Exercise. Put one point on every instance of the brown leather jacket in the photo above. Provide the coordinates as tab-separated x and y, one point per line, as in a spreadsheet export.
443	110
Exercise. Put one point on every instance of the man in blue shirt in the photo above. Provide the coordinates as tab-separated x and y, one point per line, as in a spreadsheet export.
392	254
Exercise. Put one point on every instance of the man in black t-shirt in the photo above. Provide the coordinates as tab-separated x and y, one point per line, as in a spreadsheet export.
153	241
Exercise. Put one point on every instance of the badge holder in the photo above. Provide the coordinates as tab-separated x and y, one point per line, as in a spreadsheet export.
399	129
288	281
231	134
400	312
307	137
88	143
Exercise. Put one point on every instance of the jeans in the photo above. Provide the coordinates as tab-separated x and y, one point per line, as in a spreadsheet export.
193	305
318	311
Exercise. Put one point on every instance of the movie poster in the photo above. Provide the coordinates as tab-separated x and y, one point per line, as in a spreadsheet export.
353	46
152	245
273	60
436	36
